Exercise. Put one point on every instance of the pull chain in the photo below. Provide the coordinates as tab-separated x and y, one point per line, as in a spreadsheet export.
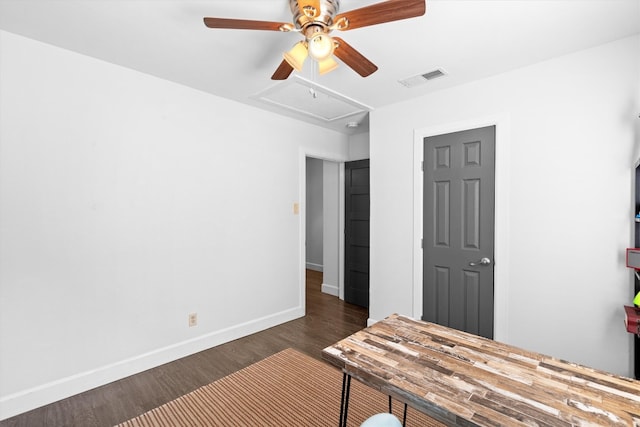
314	71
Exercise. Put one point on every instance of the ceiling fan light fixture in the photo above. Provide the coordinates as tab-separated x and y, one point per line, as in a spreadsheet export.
327	65
296	56
321	47
315	20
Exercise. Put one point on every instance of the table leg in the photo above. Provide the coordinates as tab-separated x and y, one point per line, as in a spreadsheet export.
344	403
404	416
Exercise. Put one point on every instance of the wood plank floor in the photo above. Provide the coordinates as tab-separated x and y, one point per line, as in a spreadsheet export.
328	319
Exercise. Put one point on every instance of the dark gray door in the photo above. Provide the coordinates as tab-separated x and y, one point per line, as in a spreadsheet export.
356	231
459	194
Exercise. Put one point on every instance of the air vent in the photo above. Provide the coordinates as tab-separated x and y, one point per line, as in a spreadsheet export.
433	74
423	78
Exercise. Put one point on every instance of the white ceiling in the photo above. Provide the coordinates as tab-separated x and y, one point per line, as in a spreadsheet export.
468	39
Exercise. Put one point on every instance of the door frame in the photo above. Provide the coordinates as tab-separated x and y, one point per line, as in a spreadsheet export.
501	208
322	155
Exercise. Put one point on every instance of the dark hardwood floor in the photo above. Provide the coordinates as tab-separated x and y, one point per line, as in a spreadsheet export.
328	319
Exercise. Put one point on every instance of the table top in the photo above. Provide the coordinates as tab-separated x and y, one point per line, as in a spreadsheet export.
461	379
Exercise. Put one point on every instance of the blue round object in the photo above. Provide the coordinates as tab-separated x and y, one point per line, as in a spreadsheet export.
382	420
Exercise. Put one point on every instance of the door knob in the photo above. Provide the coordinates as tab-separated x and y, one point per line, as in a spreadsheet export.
483	261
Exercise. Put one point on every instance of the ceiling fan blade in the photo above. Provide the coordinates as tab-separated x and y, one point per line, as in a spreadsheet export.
244	24
283	71
353	58
308	6
379	13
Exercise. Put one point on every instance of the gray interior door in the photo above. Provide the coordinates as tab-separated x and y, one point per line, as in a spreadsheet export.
356	232
458	223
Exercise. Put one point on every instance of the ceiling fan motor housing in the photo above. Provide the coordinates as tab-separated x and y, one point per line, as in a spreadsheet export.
324	16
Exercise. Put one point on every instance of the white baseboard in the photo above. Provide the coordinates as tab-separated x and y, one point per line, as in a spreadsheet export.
44	394
371	321
330	289
315	267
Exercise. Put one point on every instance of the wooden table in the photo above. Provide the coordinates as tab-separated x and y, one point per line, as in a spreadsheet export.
462	379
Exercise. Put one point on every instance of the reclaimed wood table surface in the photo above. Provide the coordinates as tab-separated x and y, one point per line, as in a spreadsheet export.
462	379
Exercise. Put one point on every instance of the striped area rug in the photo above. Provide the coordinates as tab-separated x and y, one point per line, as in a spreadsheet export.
286	389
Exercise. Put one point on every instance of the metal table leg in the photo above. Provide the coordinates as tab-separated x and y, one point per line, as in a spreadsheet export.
344	403
404	416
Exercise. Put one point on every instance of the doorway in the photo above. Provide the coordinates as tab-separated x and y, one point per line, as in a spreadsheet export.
335	190
323	240
501	262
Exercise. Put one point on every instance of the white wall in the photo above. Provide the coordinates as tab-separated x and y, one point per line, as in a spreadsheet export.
314	213
564	199
359	146
333	210
126	203
637	131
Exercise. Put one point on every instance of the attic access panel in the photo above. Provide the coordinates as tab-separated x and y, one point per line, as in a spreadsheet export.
307	98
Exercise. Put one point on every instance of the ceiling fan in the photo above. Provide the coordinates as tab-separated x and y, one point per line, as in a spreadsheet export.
315	20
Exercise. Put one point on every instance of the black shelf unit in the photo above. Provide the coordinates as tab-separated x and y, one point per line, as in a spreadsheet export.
636	241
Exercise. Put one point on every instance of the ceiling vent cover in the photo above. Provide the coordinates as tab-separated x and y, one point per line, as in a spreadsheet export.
423	78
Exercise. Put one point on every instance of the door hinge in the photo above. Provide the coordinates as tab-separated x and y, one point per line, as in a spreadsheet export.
421	243
422	166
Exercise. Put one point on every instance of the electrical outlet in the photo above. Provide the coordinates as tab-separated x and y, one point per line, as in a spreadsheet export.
193	319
